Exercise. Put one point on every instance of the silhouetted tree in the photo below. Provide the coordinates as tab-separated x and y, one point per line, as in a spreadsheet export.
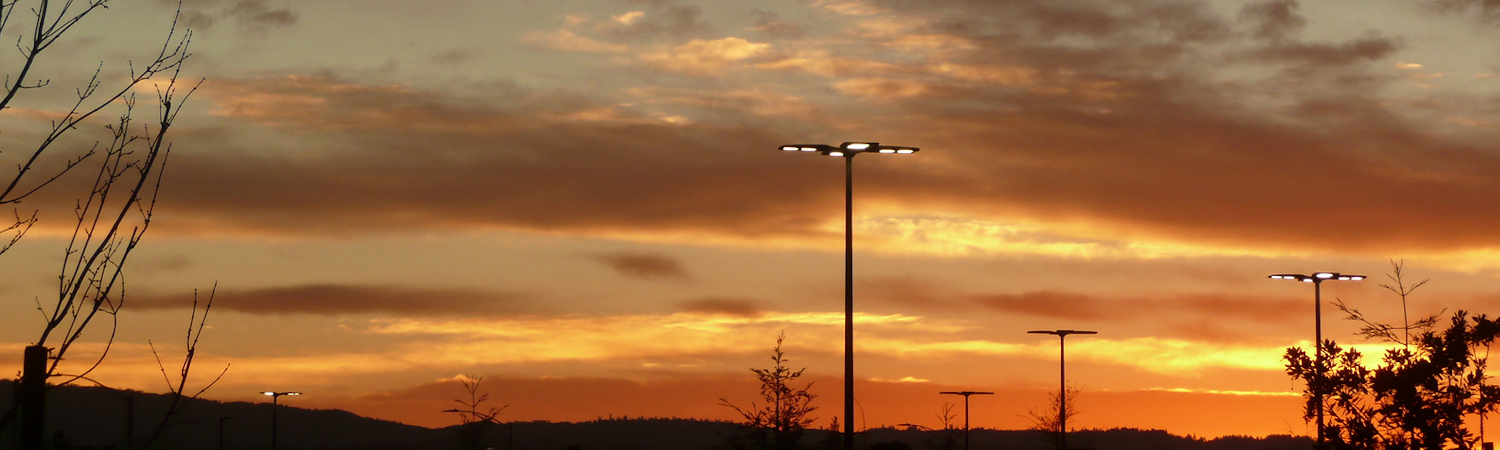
177	390
834	439
946	415
1419	394
948	437
476	417
1049	419
781	421
1375	330
41	164
113	215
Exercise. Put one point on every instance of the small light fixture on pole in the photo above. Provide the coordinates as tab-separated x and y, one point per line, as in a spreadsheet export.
274	396
966	395
1062	374
847	150
1317	279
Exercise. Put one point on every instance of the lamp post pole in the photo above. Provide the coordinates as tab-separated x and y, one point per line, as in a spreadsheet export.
1317	279
849	301
274	396
966	395
1062	376
847	150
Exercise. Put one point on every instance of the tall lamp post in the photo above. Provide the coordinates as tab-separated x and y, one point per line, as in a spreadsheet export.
274	396
966	395
1062	375
1317	279
848	150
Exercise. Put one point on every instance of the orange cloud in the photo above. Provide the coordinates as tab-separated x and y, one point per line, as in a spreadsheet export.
567	40
707	57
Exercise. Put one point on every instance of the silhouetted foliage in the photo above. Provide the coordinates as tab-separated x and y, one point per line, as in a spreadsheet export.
1049	418
1416	398
1386	332
781	421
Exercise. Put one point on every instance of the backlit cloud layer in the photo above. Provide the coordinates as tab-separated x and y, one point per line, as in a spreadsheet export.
589	195
1166	121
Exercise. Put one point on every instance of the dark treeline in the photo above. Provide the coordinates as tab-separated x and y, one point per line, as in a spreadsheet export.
95	418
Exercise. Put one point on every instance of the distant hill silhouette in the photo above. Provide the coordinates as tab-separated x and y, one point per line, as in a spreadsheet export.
1114	439
94	418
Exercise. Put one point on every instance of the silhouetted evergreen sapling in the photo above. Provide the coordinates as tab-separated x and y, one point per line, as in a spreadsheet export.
779	423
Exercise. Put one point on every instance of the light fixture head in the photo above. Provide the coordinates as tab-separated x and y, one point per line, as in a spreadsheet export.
859	145
1325	275
835	153
1290	276
1062	332
268	393
804	147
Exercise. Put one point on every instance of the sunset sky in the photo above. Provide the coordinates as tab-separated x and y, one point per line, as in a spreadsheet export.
582	200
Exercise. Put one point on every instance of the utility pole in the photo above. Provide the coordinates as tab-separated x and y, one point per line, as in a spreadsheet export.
32	397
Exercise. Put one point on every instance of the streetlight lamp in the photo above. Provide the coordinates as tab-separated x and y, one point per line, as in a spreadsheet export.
1062	389
274	396
847	150
966	395
1317	279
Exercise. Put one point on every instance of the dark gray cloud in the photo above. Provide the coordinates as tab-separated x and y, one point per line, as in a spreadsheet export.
257	13
649	266
455	56
662	20
770	23
1486	10
335	299
1273	20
